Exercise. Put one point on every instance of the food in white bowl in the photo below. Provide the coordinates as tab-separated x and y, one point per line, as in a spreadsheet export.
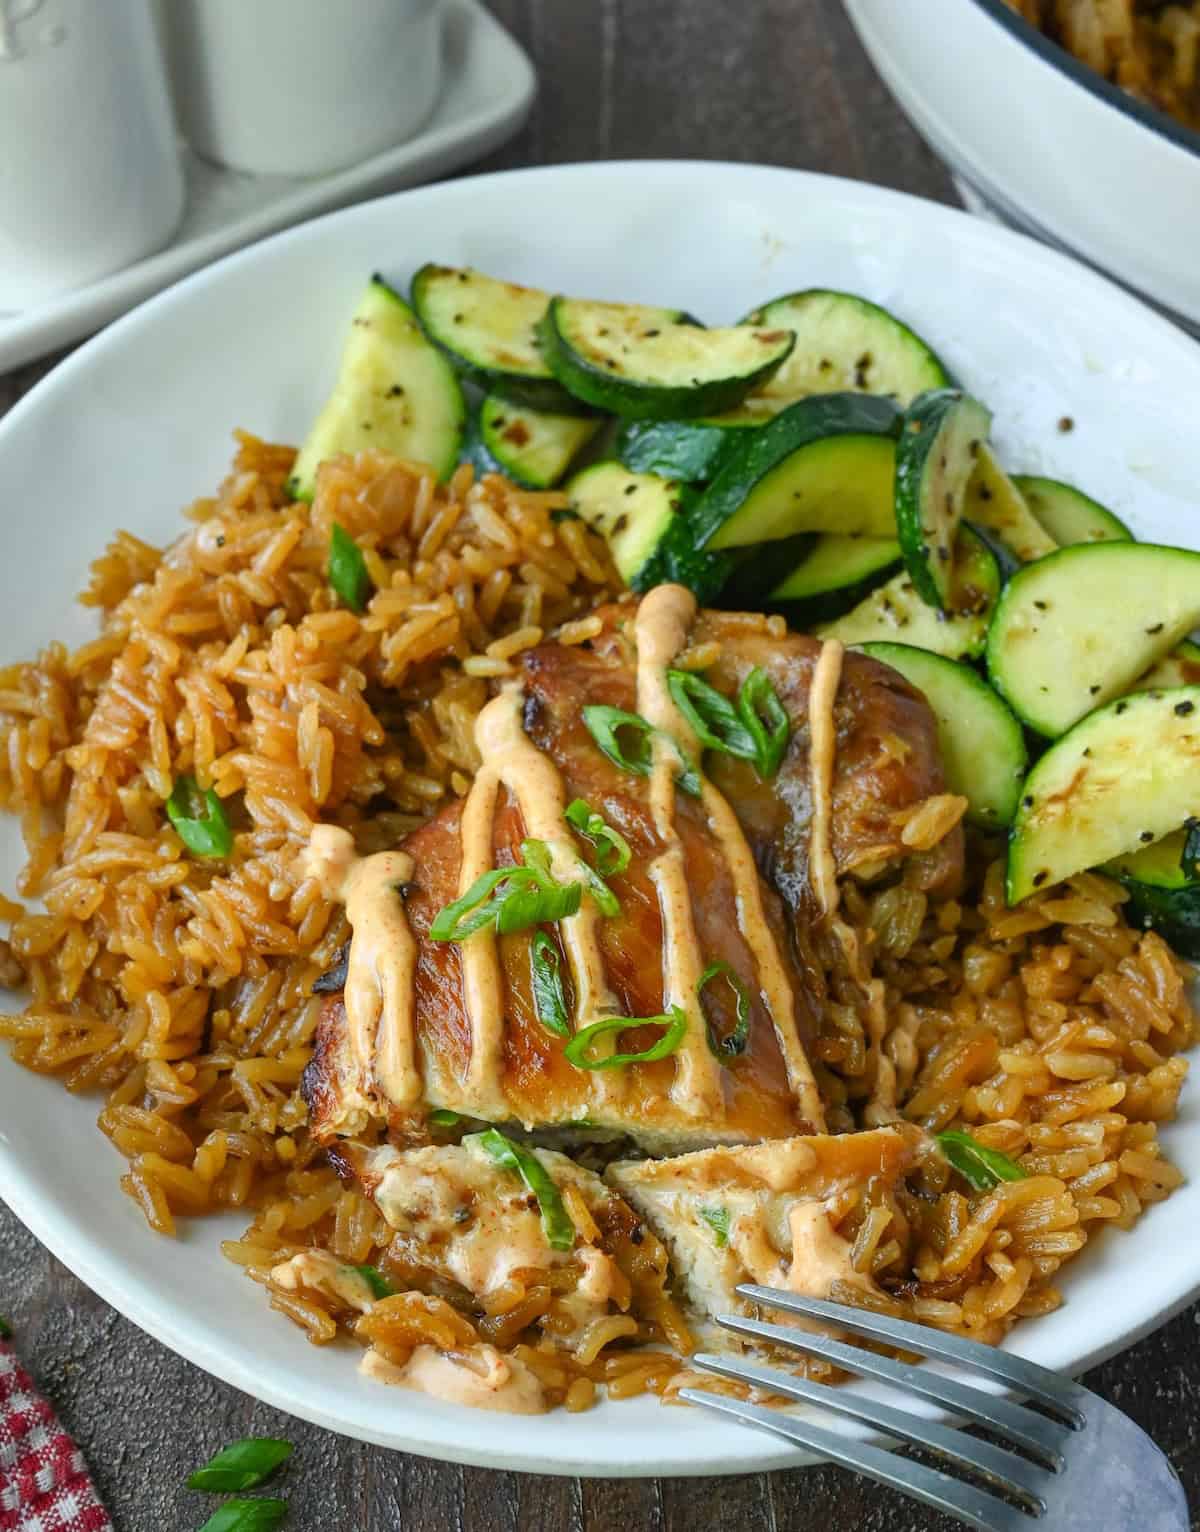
727	1062
1084	163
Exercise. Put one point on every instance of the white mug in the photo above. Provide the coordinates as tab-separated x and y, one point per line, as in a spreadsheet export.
90	176
302	87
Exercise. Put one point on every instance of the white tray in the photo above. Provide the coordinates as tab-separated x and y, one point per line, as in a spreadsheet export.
488	90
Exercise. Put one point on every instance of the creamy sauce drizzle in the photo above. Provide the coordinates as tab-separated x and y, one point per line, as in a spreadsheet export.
380	972
822	734
512	760
663	619
481	1378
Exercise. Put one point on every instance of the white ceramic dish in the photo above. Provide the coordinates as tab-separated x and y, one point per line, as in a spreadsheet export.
1035	335
487	89
1046	142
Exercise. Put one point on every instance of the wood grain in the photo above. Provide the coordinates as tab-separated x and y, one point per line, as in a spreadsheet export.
779	81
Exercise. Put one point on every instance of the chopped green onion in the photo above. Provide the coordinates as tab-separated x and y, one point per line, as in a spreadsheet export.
612	849
556	1222
606	724
511	898
348	569
5	1329
766	719
377	1282
259	1515
199	819
443	1118
714	719
674	1024
549	1001
981	1167
718	1221
733	1043
241	1465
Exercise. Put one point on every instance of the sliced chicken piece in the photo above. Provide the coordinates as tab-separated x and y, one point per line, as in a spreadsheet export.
886	764
764	1213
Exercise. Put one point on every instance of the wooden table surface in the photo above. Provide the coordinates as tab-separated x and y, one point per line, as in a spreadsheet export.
781	81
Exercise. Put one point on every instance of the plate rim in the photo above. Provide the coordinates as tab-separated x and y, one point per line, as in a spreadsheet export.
116	1281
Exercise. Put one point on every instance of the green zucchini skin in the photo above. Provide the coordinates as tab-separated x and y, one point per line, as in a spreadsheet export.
996	506
1123	777
1068	515
825	464
982	743
835	575
1164	892
533	448
644	518
394	391
647	363
1080	626
691	450
943	434
845	343
895	612
488	329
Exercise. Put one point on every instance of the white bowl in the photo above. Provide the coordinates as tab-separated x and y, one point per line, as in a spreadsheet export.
138	423
1049	144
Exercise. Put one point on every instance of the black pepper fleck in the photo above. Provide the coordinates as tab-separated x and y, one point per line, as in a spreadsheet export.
1182	709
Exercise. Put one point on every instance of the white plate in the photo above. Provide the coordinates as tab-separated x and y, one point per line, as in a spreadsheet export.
487	91
137	423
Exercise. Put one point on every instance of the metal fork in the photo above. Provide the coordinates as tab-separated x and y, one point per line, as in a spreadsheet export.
1092	1466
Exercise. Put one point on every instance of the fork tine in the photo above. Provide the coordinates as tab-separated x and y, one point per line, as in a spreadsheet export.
1005	1468
1046	1439
976	1507
1061	1395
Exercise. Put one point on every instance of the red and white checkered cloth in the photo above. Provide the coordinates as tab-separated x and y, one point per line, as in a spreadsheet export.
44	1482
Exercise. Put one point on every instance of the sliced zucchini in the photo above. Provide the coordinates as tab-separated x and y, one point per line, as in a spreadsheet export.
645	521
1164	890
940	441
532	447
1180	668
1123	777
823	465
835	574
995	503
982	744
1068	515
690	450
1080	626
488	329
895	613
655	364
394	391
844	343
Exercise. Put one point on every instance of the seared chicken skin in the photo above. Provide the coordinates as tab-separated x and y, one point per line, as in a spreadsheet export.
719	874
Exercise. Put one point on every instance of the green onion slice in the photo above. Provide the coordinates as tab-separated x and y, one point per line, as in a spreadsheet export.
442	1117
549	1001
199	819
260	1515
556	1222
241	1465
717	1218
674	1024
765	719
348	569
612	849
982	1168
375	1280
511	898
607	724
733	1043
714	719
